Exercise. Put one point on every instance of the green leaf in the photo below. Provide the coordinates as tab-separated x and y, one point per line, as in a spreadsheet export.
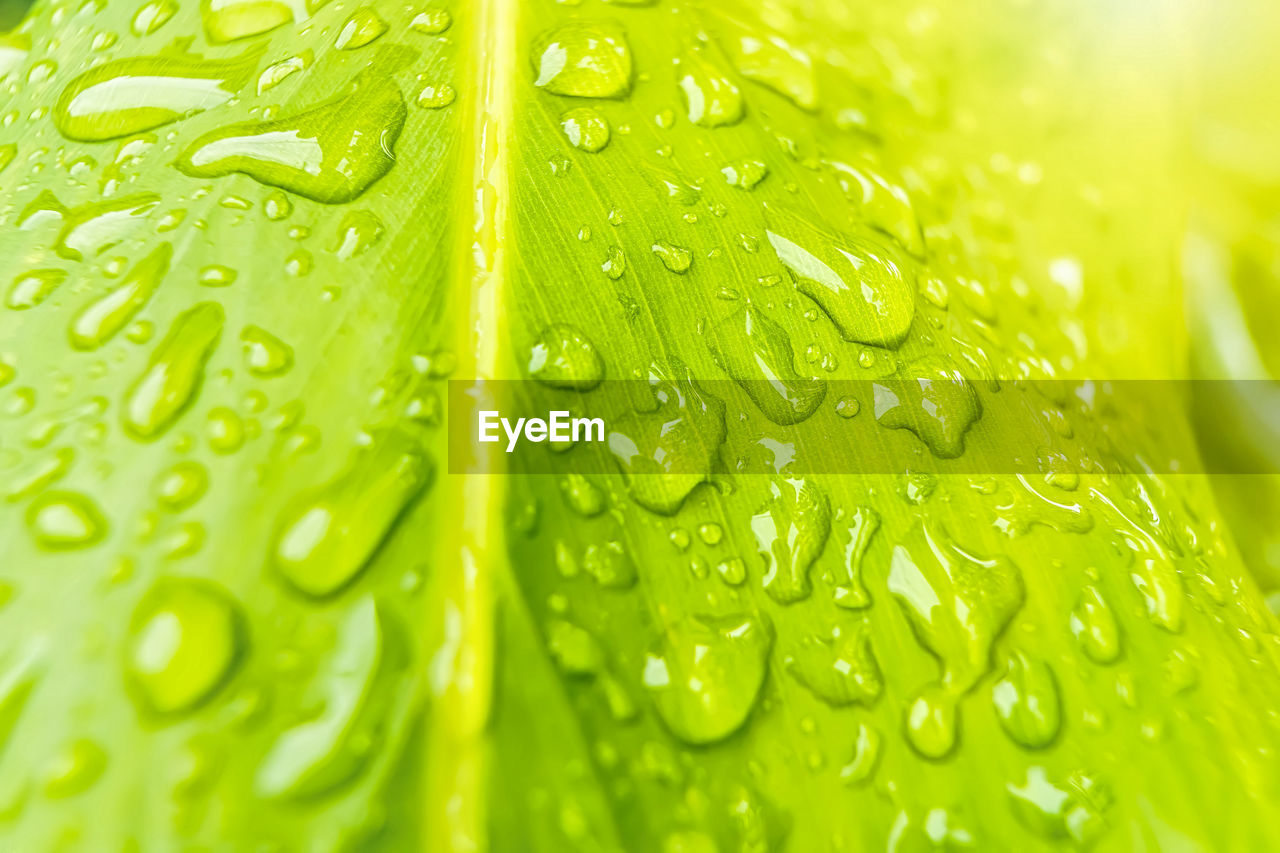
253	600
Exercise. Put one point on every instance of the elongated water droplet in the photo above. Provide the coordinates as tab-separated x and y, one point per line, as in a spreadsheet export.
1027	702
182	485
706	674
331	153
62	521
174	373
958	603
563	357
711	99
91	229
152	16
105	316
185	640
850	591
330	535
665	453
275	74
362	28
359	232
432	21
31	288
132	95
745	174
1095	628
932	722
437	96
774	63
884	203
330	748
584	61
866	289
1061	810
228	20
676	259
75	769
264	353
586	129
840	668
933	401
757	353
37	475
791	534
866	754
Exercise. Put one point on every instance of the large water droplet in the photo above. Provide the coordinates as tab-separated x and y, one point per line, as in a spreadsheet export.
185	639
563	357
102	318
706	674
586	129
665	453
757	353
866	289
934	402
584	61
228	20
173	375
91	229
132	95
31	288
791	533
330	535
331	153
850	591
840	669
332	747
1095	628
1027	702
710	97
773	62
362	28
62	521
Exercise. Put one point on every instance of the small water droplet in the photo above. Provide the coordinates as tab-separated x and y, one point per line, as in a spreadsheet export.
363	27
563	357
586	129
583	60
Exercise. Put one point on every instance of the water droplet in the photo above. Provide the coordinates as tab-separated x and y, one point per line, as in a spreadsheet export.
182	485
1027	702
574	650
1095	628
331	534
185	640
676	259
610	565
104	317
615	263
152	16
850	592
710	97
958	603
732	571
884	203
31	288
359	232
264	353
563	357
228	20
866	754
275	74
331	153
848	407
432	21
436	96
61	521
330	748
132	95
665	453
778	65
865	288
757	353
1056	810
582	496
277	206
225	430
934	402
75	769
362	28
840	668
217	275
583	61
932	724
586	129
791	533
174	373
706	674
91	229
